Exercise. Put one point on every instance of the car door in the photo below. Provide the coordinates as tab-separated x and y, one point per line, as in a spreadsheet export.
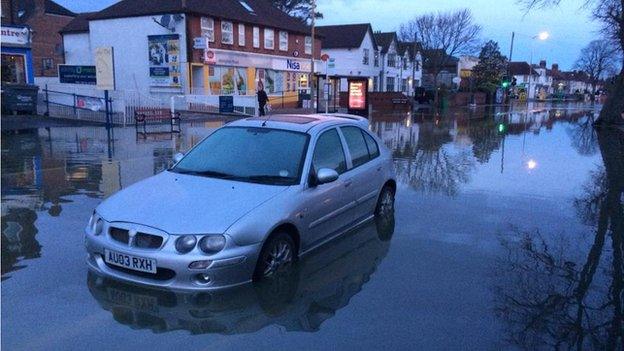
366	170
329	206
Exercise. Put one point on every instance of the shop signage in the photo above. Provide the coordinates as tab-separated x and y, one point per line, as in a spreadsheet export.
357	95
293	65
104	68
200	43
164	60
210	57
242	59
71	74
15	35
331	63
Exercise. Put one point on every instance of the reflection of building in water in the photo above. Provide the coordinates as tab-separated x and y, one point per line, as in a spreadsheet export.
397	136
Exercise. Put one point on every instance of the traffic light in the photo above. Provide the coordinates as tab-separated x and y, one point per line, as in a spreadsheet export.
514	81
506	82
501	128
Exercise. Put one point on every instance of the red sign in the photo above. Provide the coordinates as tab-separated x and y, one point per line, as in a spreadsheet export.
357	95
210	57
324	57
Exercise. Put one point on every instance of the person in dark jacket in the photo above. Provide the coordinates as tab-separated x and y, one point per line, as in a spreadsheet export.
262	100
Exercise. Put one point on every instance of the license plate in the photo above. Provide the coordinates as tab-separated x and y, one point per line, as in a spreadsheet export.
136	263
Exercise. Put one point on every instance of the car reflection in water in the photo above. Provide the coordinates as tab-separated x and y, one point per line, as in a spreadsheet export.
299	300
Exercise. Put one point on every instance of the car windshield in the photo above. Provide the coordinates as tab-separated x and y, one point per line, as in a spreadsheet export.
257	155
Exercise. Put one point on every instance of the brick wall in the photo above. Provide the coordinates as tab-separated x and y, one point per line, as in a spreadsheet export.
296	41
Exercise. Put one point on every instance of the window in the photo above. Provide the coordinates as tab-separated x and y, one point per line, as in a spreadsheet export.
391	60
256	37
371	144
417	65
356	144
405	60
47	63
328	153
241	34
375	83
390	84
366	57
13	69
269	39
308	45
403	85
376	62
227	32
207	28
283	41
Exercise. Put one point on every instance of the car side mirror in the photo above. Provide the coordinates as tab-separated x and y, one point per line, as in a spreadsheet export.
177	157
326	175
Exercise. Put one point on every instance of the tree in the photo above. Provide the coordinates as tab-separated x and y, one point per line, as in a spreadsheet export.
611	14
297	8
597	60
489	72
442	35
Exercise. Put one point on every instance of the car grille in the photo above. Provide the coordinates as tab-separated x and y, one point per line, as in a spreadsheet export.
141	240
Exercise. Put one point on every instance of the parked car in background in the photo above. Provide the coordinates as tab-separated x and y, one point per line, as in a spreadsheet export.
244	204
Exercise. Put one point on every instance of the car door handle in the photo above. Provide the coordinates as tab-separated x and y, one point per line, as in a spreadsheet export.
347	183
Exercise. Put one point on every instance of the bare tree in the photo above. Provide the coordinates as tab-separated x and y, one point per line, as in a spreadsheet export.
597	61
442	35
297	8
611	14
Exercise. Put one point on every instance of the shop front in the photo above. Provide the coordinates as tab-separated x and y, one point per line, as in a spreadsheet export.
17	65
226	72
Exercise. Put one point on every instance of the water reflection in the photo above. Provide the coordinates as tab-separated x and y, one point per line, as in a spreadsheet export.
320	284
554	294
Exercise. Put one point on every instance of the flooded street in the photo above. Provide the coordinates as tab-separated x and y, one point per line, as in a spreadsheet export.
508	233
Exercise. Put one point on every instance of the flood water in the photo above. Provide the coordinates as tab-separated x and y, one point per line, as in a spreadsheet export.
508	234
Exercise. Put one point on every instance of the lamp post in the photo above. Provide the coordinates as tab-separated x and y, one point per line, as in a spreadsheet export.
312	59
541	36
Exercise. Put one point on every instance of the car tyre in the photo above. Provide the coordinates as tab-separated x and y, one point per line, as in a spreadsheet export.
385	203
277	256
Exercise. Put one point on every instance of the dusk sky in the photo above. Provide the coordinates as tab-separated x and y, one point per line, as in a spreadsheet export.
569	24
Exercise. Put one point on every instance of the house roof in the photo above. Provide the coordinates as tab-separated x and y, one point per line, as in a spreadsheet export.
409	47
521	68
56	9
79	24
345	36
264	13
28	7
384	40
439	55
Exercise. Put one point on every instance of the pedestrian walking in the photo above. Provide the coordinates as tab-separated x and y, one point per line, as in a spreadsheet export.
262	99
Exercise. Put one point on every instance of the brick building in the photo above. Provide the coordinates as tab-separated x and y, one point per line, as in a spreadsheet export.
45	18
201	47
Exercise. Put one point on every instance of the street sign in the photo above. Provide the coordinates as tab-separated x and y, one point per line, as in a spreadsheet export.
72	74
104	68
200	43
324	57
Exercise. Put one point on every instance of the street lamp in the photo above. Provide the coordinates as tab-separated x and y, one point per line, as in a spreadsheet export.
541	36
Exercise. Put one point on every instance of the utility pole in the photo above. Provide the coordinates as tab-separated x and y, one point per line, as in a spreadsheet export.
312	101
414	68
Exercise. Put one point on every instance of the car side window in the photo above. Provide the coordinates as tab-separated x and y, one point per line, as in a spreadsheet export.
328	152
356	144
373	149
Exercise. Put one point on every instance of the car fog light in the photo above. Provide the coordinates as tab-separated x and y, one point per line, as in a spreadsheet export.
99	225
185	243
202	278
200	264
212	243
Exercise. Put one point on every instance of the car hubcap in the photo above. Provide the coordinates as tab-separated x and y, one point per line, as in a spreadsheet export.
279	256
387	203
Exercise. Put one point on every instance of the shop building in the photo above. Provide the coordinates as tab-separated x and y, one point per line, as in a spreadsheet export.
175	47
17	59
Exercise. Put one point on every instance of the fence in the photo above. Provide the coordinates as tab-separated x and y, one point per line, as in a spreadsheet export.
78	106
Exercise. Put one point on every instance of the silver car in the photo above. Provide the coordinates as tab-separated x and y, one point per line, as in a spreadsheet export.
244	204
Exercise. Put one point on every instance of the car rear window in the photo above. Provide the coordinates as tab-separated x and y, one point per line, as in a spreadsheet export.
373	149
356	144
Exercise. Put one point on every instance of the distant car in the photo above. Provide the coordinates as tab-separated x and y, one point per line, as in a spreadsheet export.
244	204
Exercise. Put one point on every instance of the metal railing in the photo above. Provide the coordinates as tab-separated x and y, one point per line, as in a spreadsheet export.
71	105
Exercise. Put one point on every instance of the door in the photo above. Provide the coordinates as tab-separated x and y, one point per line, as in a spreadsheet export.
366	171
328	206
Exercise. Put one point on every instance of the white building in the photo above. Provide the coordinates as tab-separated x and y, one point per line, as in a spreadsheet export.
399	71
524	77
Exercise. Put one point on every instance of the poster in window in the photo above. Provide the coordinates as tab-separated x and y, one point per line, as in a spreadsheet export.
164	63
357	95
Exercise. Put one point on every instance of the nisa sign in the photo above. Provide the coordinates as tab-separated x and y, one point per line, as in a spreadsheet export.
294	65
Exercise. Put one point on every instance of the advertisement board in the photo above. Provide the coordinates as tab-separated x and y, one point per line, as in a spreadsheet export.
357	95
164	60
71	74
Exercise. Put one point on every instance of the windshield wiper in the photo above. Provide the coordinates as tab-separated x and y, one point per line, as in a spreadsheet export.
270	178
211	174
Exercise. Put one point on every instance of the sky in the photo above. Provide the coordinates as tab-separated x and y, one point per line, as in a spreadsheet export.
569	24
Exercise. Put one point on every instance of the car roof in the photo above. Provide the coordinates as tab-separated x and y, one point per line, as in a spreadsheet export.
301	123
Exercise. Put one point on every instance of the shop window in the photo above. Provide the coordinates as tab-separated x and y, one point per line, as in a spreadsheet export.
308	45
13	69
207	28
366	58
256	37
283	41
241	34
390	84
376	59
227	32
47	63
227	80
269	39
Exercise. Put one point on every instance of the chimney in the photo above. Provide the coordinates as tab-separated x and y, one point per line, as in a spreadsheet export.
543	64
555	68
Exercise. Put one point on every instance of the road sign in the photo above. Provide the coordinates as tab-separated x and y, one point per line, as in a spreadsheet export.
324	57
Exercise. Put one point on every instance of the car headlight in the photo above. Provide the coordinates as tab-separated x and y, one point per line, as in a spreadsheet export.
212	243
185	243
96	224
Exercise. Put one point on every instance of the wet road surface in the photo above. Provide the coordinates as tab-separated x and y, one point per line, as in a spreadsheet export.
507	234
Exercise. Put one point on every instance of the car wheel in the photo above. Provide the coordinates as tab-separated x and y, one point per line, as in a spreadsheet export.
277	255
385	203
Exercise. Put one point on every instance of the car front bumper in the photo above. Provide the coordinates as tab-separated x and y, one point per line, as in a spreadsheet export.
234	266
